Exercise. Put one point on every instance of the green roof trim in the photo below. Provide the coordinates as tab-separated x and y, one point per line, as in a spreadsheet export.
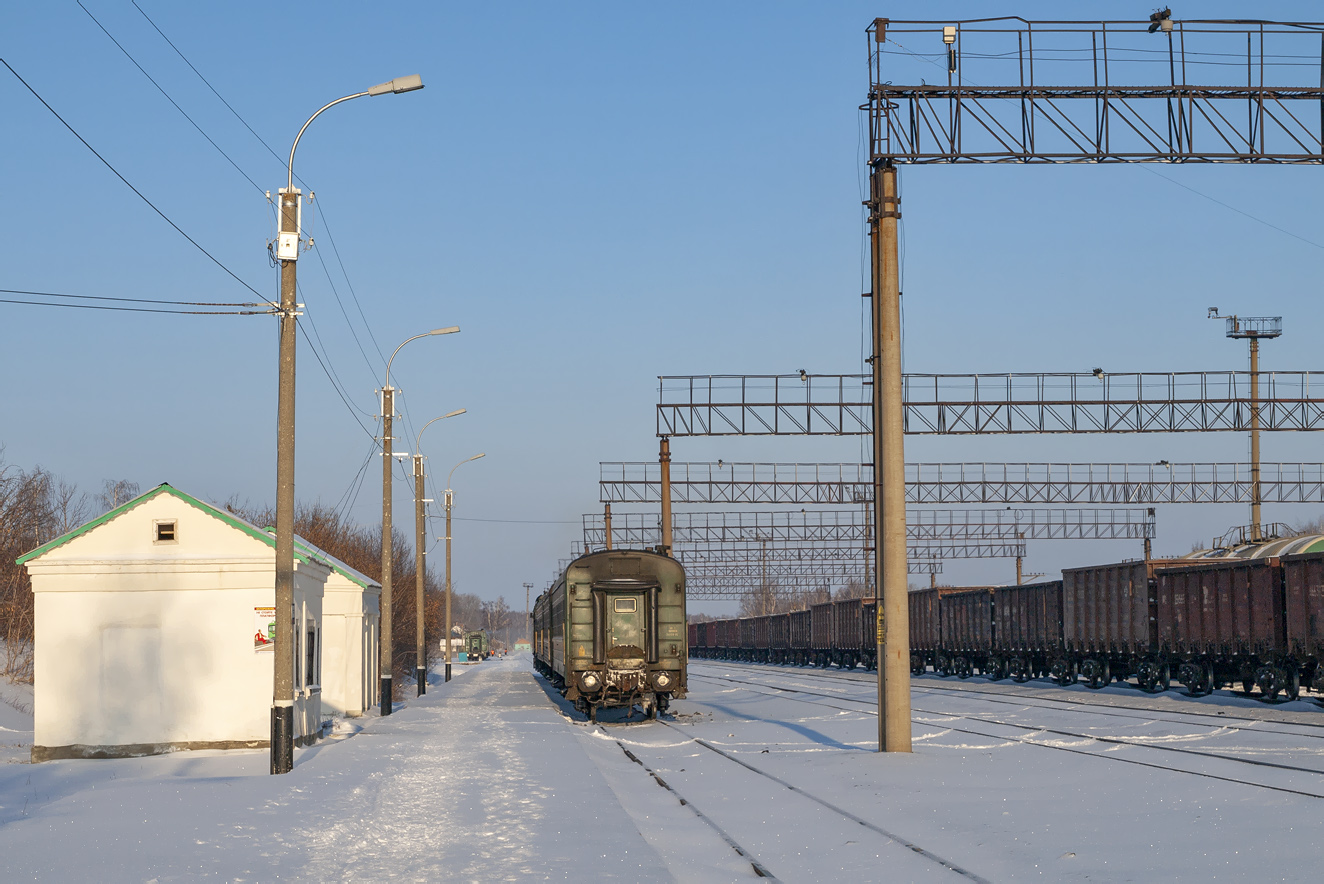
165	488
344	569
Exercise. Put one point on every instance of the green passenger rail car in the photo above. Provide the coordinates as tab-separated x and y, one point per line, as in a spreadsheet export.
611	631
475	647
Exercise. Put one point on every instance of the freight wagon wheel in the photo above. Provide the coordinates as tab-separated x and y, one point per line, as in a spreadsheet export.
1292	683
995	670
963	668
1020	670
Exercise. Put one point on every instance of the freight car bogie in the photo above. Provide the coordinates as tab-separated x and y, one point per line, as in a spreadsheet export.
1096	671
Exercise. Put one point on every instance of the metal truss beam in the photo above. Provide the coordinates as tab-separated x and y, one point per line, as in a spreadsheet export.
804	588
1103	92
951	483
849	528
839	405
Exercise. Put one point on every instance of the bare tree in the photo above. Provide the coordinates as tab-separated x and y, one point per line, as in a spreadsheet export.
115	492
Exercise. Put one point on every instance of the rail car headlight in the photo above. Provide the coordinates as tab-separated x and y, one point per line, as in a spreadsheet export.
662	680
590	681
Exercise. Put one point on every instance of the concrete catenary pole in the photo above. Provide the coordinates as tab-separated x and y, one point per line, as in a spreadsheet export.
893	626
664	460
420	573
528	614
448	584
387	646
606	514
1256	535
282	698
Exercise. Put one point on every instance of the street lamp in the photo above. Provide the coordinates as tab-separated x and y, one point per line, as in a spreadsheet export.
388	416
287	251
448	559
420	549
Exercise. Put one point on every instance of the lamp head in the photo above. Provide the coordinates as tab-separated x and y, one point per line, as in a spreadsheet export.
450	330
411	83
453	413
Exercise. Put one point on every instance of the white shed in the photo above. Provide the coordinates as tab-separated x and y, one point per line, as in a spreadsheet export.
155	631
351	620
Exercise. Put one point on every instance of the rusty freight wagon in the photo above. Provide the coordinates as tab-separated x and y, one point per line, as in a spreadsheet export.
820	633
1221	622
925	630
853	633
801	633
748	639
1303	595
759	653
1029	628
779	638
968	629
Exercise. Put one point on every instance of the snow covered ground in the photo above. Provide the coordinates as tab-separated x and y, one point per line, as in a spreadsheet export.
493	778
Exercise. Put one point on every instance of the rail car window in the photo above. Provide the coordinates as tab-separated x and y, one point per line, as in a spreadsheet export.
623	606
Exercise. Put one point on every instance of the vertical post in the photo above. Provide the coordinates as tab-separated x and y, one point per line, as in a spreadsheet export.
933	580
664	459
1019	574
448	584
282	696
388	414
893	624
528	615
607	516
420	550
1149	552
1255	534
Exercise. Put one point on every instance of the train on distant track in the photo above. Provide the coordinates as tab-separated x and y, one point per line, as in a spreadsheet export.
1251	617
611	632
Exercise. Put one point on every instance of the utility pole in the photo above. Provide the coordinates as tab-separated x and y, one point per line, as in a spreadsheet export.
287	252
387	649
664	459
282	705
893	622
448	584
528	612
420	550
449	500
607	516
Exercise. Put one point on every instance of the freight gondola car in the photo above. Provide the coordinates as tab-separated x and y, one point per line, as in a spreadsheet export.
613	630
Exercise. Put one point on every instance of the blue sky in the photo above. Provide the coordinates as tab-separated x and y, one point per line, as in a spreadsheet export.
597	194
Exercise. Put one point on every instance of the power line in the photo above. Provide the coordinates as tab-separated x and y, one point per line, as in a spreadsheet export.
167	97
107	164
138	309
135	300
309	341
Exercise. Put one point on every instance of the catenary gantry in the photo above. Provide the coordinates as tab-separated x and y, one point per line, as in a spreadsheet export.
804	484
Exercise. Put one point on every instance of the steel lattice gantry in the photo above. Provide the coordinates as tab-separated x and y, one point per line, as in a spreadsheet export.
794	530
950	483
1017	91
983	404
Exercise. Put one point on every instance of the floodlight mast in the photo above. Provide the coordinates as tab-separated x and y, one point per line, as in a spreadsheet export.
1252	329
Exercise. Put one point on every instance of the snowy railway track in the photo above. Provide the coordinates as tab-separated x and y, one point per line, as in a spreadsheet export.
759	868
1252	723
1039	729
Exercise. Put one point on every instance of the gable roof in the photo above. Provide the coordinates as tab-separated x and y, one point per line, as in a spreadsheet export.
304	555
353	575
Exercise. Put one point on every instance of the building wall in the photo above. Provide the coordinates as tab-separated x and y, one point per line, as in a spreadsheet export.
142	645
350	616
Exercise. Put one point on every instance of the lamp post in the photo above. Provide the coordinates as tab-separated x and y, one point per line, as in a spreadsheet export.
420	550
448	559
287	251
388	417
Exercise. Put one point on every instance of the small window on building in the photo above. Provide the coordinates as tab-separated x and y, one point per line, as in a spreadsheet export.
623	606
165	532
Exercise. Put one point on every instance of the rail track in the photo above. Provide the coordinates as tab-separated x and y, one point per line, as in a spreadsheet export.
759	868
1036	729
1254	723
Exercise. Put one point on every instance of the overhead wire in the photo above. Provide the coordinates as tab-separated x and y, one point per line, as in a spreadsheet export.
137	300
150	79
137	309
126	181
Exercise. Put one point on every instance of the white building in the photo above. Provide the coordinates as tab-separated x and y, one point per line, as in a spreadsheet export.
155	631
351	621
